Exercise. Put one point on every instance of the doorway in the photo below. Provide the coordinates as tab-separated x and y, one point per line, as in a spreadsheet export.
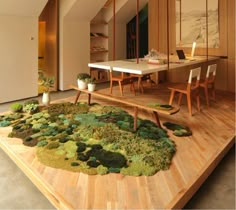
48	48
143	35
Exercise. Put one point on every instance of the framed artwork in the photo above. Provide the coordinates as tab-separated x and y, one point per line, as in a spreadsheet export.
191	23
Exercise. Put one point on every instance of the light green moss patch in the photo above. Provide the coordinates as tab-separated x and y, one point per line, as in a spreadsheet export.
94	140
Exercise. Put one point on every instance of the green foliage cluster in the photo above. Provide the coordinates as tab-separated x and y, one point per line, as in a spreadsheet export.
94	140
149	130
83	76
8	119
31	101
178	130
67	108
46	82
31	108
16	107
161	106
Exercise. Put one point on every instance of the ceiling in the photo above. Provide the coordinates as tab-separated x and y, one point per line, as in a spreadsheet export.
22	7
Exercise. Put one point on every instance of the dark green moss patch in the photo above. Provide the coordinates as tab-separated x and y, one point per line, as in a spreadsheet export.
81	146
82	157
93	139
178	130
74	164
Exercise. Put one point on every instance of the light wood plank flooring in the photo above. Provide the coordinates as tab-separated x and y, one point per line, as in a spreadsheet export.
197	156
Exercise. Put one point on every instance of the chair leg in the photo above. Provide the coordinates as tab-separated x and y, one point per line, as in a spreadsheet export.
172	94
180	98
121	88
111	85
189	103
140	84
133	87
206	95
198	101
213	92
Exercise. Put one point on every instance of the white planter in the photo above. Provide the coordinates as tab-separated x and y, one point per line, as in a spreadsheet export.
46	99
91	87
82	84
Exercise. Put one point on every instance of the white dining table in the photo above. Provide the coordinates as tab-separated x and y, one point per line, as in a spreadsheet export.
144	67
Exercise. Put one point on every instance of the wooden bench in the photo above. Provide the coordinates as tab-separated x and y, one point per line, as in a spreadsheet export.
122	101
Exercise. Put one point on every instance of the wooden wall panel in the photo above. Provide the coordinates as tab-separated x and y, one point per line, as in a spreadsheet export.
153	26
225	79
50	17
231	46
158	29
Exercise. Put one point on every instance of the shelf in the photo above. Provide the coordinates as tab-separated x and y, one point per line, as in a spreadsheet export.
98	51
97	35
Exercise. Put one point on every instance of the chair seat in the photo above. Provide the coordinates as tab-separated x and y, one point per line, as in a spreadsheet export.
179	87
204	84
122	80
189	89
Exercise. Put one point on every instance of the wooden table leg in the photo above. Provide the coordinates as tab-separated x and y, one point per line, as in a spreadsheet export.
135	118
157	119
77	96
89	99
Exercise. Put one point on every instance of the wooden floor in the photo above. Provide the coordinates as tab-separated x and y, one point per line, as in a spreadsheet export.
197	156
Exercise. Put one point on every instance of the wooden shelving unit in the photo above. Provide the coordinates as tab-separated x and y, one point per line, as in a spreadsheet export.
99	46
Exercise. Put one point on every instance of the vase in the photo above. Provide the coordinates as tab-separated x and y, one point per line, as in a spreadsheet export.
82	84
91	87
46	99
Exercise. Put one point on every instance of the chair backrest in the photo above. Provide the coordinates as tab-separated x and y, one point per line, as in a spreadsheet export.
194	73
211	70
121	76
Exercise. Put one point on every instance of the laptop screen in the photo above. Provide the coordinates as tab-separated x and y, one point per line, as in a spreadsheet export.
181	54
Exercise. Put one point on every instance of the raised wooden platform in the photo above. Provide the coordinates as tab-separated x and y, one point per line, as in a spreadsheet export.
196	157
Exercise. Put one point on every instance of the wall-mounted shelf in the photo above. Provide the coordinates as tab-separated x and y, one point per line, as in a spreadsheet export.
98	51
98	46
98	36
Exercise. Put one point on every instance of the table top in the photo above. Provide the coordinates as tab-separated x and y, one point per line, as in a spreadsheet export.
143	67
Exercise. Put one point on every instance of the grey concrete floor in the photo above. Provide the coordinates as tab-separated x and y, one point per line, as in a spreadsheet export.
18	192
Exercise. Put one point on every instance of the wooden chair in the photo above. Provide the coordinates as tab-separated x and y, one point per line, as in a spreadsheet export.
122	79
139	78
188	89
209	82
140	83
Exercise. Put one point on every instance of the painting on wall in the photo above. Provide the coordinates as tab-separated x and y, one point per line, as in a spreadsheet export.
191	23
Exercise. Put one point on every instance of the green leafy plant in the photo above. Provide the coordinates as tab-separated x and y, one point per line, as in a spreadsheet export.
47	82
16	107
31	108
83	76
90	80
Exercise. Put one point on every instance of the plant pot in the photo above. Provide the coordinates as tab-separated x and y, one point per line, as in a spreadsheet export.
82	84
91	87
46	99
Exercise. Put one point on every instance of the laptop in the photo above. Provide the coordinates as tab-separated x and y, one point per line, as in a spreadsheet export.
182	56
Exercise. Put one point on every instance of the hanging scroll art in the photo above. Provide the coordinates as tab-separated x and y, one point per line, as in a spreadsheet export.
191	23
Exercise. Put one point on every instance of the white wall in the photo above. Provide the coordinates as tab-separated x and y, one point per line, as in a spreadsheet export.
76	52
18	57
75	17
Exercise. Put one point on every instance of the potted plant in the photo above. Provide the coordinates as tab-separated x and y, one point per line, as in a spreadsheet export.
81	80
47	83
91	84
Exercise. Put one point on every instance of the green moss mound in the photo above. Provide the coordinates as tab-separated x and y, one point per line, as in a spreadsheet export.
93	139
178	130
